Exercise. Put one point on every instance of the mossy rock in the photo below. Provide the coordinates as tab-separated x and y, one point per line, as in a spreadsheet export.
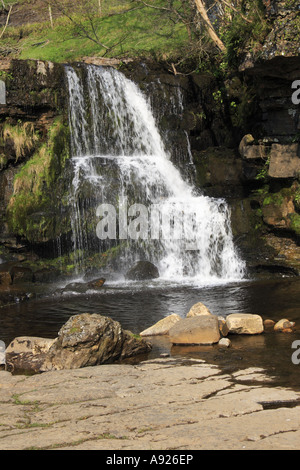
35	209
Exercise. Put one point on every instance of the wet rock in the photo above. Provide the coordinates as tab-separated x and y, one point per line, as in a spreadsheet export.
142	270
203	329
21	274
223	326
244	323
96	283
5	279
162	327
224	343
269	323
283	324
198	309
46	275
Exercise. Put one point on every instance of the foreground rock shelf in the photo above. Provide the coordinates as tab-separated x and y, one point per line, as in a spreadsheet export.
159	405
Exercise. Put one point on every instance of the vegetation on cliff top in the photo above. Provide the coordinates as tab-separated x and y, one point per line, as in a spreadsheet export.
62	31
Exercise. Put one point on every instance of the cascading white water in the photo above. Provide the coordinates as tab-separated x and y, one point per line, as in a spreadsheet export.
119	154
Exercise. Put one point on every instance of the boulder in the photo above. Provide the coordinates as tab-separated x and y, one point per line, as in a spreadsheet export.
223	326
92	339
268	323
203	329
162	327
224	343
27	353
85	340
198	309
244	323
249	151
142	270
283	324
247	140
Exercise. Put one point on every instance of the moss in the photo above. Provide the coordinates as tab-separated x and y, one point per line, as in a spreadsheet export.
295	223
36	196
276	199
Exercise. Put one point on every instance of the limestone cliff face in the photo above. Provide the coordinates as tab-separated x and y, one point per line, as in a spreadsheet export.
203	120
283	39
271	161
34	147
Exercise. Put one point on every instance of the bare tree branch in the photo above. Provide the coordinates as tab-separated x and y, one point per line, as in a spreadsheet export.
7	21
209	27
235	9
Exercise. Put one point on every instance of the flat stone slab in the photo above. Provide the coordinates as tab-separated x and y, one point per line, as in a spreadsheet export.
162	404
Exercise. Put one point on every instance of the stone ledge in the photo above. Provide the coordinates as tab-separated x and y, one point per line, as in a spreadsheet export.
160	405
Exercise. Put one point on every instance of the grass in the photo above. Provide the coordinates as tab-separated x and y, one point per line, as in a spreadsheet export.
138	32
22	136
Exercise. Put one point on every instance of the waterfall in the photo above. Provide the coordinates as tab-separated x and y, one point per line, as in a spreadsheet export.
120	162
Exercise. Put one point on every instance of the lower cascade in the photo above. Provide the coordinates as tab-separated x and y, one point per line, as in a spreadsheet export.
127	195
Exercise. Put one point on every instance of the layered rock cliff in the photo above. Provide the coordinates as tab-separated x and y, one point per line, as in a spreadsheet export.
237	137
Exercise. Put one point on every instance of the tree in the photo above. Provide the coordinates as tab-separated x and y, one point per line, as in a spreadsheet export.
7	18
85	17
183	10
201	8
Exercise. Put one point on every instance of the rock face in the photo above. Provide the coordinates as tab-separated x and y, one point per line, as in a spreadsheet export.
284	161
154	405
142	270
243	323
162	327
85	340
198	309
203	329
20	274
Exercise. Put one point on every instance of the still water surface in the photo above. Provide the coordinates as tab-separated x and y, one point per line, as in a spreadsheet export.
138	306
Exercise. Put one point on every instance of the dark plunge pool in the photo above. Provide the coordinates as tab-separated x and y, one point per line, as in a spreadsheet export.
138	306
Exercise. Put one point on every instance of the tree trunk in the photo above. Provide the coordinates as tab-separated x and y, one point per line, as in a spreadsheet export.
7	21
50	16
209	27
